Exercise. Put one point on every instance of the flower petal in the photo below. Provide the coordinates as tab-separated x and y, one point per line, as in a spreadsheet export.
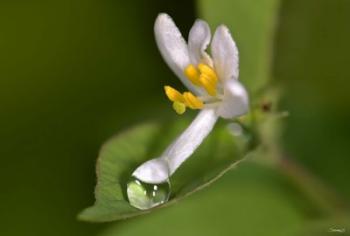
225	54
198	40
173	48
154	171
160	169
190	139
235	102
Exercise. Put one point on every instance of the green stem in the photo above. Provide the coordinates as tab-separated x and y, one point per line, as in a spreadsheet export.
328	202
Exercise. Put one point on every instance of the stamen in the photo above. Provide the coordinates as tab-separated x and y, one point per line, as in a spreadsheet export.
208	71
179	107
192	101
173	94
205	98
212	105
208	84
203	76
192	74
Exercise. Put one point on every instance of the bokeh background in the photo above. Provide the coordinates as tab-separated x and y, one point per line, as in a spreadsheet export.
73	73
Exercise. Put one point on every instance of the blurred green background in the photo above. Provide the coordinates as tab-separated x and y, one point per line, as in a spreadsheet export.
73	73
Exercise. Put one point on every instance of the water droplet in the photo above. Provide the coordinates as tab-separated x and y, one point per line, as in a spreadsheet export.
235	129
145	196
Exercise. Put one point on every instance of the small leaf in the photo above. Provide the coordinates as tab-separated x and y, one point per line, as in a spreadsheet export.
120	156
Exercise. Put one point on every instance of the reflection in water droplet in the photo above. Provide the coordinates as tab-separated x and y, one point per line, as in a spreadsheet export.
145	196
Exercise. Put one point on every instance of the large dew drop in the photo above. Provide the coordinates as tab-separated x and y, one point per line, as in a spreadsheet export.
145	196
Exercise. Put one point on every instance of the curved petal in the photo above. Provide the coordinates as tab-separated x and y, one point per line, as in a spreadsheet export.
190	139
160	169
198	41
235	102
225	54
173	47
154	171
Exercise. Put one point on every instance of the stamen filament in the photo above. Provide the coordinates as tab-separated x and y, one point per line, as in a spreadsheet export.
211	105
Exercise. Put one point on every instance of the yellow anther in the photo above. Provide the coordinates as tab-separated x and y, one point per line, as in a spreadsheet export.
208	84
179	107
192	101
173	94
192	74
208	71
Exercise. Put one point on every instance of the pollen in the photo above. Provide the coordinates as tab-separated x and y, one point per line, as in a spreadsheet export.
203	76
179	107
192	74
181	101
208	71
173	94
192	101
208	84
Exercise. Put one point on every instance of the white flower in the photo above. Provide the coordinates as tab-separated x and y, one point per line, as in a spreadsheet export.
213	84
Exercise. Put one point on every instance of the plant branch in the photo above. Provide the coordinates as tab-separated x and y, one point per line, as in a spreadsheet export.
324	197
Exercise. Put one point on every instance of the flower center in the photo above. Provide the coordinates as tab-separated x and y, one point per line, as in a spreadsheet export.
202	76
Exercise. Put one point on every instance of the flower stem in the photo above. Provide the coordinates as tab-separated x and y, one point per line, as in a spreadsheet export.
327	201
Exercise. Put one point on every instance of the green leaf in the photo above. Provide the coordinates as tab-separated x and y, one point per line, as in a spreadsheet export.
339	225
122	154
251	200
